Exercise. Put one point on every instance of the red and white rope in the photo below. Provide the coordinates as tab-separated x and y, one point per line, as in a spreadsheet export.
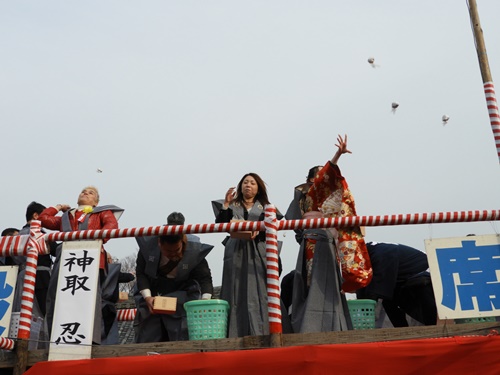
107	233
126	315
381	220
18	245
491	102
13	245
156	231
6	344
373	221
273	275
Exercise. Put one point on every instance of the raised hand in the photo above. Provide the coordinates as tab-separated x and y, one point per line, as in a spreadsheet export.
342	144
341	148
230	194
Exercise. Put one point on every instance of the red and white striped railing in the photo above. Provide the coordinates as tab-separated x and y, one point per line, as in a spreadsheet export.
14	245
369	221
6	344
156	231
34	244
382	220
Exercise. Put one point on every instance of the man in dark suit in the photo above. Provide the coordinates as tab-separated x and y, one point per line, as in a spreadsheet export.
401	280
169	266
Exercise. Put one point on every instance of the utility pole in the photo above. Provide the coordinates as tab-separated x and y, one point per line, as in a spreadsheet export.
489	88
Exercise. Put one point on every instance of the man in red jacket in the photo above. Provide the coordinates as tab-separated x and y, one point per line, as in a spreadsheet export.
87	216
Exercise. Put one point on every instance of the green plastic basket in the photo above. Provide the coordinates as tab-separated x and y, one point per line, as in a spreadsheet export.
362	313
475	320
207	319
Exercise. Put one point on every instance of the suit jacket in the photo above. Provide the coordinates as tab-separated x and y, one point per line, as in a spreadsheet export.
192	278
392	264
193	266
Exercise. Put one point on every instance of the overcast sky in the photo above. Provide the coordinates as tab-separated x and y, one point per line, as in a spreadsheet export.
175	100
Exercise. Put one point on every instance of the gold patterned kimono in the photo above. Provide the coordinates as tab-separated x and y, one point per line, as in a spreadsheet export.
330	195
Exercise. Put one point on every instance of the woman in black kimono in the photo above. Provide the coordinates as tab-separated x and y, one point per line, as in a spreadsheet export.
244	274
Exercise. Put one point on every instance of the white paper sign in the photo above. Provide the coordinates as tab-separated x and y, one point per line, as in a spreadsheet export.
465	274
73	322
8	279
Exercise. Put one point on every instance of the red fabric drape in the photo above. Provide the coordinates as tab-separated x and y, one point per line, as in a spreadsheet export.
454	355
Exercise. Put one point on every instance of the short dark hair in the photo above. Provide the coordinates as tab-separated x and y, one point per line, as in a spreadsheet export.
171	238
175	218
34	208
9	231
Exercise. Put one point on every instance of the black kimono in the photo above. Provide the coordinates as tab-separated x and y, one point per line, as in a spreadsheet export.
192	279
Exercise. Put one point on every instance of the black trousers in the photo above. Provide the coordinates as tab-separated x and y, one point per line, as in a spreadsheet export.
414	297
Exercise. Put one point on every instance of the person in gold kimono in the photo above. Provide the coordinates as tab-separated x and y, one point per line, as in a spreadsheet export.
318	304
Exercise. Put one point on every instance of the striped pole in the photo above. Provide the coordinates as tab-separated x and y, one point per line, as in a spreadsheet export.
484	67
36	245
491	102
273	276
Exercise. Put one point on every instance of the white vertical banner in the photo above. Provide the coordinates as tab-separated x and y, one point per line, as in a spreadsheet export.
73	322
8	279
465	274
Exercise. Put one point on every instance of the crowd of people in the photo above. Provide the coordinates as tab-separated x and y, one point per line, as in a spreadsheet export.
330	262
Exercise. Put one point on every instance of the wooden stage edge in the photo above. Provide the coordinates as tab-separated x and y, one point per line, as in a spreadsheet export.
7	358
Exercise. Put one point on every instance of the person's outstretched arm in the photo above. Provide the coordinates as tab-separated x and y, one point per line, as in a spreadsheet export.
341	149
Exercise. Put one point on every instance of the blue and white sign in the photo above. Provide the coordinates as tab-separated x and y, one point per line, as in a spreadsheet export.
465	274
8	279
